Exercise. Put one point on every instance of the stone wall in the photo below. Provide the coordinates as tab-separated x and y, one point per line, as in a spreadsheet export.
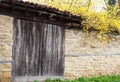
91	54
6	32
85	54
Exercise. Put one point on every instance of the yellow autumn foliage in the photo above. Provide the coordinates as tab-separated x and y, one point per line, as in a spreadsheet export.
104	22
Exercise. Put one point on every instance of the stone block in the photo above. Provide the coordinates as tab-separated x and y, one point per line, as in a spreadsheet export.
6	75
8	65
1	57
6	69
8	59
0	74
7	53
5	80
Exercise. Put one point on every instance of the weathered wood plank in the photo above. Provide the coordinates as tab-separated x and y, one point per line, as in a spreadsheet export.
38	49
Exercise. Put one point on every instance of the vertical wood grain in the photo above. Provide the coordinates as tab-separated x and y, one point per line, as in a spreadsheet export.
38	49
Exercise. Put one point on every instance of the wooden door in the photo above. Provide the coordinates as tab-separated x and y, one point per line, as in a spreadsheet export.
38	50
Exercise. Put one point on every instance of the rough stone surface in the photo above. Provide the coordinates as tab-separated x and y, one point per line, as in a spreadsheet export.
6	33
87	66
91	54
78	42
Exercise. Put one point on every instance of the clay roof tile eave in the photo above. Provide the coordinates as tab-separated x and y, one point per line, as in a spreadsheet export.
45	8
